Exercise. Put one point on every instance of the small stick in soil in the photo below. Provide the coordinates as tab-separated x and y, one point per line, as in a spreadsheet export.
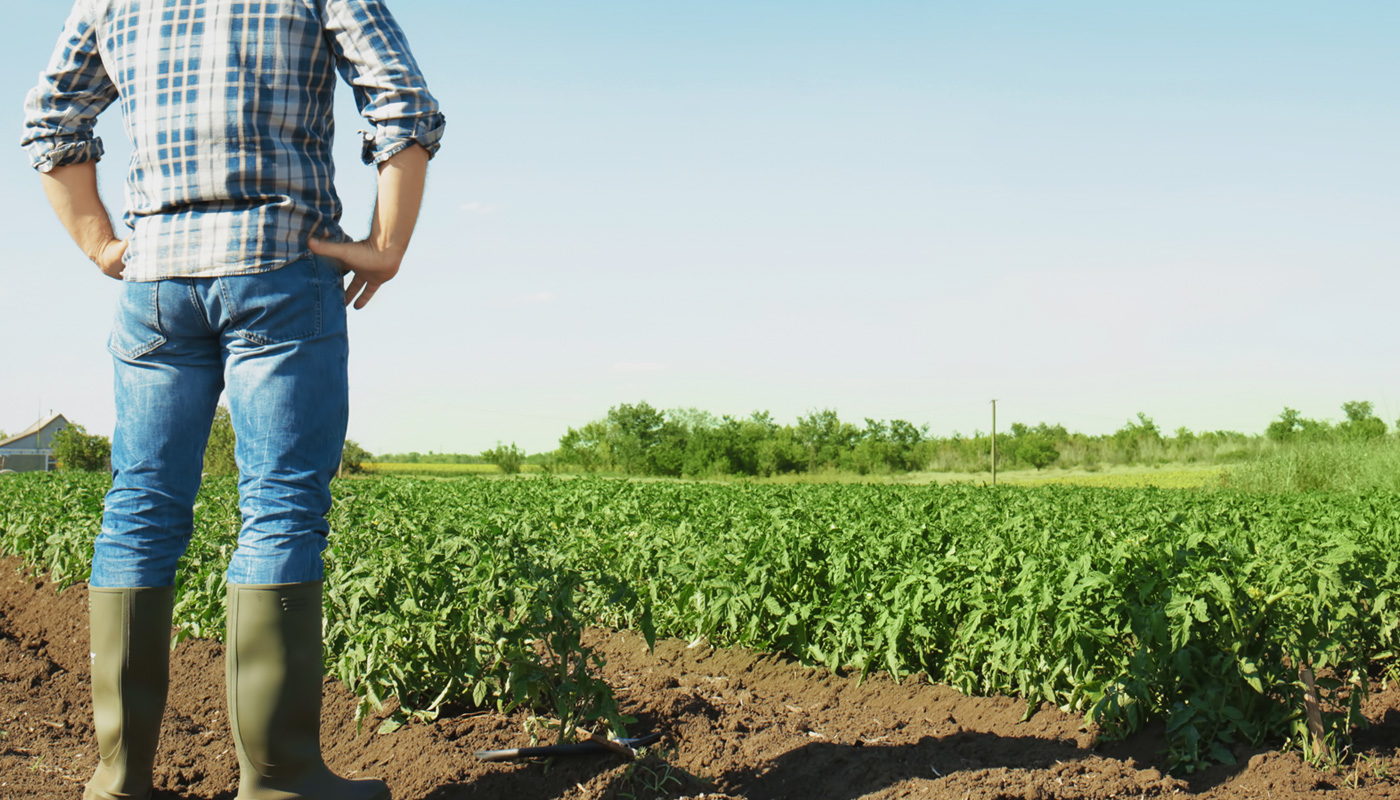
1314	712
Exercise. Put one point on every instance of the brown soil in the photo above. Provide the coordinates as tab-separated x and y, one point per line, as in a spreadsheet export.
737	725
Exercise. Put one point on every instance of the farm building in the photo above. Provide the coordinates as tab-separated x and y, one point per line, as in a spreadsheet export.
32	449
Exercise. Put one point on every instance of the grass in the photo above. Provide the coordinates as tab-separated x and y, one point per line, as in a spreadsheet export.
1326	467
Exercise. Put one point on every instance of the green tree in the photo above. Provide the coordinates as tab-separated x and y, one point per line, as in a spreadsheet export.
219	452
666	456
706	453
586	448
633	433
825	438
1292	426
875	450
1361	424
730	446
76	449
692	419
781	452
749	440
1135	439
1037	450
906	438
1286	427
353	457
507	458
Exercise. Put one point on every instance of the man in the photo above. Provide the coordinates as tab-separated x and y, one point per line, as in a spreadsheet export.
228	108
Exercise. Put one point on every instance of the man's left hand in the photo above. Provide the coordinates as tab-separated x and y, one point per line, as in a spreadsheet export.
368	266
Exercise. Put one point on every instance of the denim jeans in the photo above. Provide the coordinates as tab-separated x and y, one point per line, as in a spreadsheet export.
276	343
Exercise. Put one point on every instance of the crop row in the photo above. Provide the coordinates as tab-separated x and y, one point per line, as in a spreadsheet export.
1196	608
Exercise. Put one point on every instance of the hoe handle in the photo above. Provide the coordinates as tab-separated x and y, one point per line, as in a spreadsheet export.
563	749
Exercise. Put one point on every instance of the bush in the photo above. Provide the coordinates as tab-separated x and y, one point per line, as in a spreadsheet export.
76	449
353	457
1036	450
508	459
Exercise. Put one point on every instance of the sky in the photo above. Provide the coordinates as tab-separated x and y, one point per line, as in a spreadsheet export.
1084	210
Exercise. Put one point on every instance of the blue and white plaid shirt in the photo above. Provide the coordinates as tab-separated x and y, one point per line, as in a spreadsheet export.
228	107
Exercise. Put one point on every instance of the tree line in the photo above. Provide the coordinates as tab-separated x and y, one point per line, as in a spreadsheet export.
638	439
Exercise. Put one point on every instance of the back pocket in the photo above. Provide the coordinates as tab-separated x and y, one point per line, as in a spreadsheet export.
273	307
136	327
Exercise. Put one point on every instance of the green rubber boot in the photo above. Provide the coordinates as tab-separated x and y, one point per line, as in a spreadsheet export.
274	696
129	630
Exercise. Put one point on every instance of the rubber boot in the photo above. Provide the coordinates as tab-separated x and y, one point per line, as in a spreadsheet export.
129	631
274	696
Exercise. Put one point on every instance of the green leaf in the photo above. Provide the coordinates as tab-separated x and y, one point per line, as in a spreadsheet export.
1249	670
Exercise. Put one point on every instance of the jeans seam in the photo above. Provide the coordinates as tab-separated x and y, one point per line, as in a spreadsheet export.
316	267
223	296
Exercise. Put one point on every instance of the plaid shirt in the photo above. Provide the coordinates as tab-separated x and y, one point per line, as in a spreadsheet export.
228	108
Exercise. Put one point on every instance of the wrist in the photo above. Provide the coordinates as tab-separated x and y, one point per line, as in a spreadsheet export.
94	235
389	250
98	251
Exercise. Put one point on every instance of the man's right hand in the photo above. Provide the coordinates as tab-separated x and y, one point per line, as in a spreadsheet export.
109	258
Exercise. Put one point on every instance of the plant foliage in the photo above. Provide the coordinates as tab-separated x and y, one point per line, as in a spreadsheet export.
1198	609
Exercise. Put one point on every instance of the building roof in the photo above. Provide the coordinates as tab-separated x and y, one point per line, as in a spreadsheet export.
35	428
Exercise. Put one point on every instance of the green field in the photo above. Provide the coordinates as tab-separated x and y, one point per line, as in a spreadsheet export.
1129	605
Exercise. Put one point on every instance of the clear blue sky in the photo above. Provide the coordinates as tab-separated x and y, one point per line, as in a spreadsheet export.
892	209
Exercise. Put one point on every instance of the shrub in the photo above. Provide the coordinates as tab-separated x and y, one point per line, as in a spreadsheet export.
353	457
76	449
508	459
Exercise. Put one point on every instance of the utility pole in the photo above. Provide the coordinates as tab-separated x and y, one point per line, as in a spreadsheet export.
994	441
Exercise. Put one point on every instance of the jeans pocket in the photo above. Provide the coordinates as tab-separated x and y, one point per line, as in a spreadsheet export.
274	307
136	329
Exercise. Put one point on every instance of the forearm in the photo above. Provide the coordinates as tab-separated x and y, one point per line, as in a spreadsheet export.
72	191
401	181
376	260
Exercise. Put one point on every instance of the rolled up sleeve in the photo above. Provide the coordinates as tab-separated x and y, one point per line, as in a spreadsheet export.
60	112
372	55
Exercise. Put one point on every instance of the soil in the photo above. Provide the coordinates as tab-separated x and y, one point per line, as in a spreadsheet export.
736	725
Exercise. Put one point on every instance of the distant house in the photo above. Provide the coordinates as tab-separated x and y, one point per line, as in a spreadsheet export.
32	449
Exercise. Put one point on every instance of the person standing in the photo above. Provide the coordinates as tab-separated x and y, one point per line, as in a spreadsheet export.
233	268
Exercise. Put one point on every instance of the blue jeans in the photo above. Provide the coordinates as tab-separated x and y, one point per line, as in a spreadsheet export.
276	342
